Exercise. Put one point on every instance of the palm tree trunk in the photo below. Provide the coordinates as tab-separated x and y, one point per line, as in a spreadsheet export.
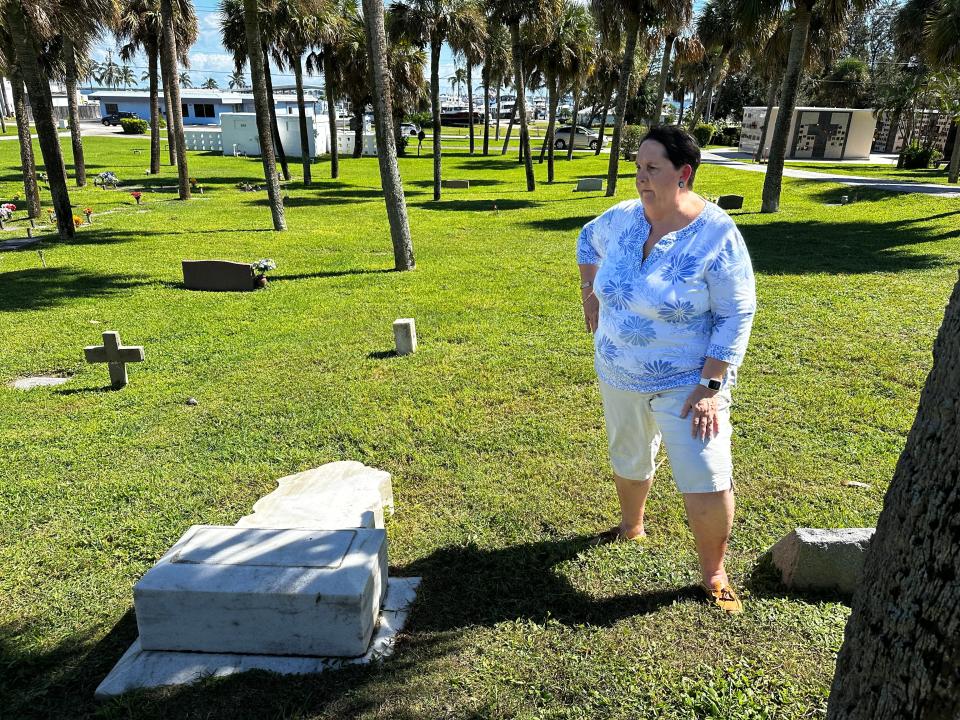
554	101
435	109
788	98
70	80
900	653
261	100
164	75
521	105
664	72
573	122
169	51
41	102
683	101
305	156
771	99
954	170
330	87
603	123
30	189
626	70
499	89
892	133
506	139
277	143
386	144
152	53
704	105
486	110
470	100
357	107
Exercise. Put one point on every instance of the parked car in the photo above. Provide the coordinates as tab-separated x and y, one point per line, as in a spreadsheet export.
584	138
115	118
409	129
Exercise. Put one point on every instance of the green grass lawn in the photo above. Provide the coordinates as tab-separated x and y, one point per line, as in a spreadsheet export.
880	172
493	432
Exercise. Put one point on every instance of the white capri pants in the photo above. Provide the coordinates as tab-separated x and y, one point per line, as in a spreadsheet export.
636	423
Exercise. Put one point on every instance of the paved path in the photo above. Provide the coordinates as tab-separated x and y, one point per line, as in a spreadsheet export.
944	191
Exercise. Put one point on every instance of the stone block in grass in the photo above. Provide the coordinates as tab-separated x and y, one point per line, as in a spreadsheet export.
822	559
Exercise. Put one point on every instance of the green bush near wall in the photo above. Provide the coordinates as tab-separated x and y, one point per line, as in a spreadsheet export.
134	126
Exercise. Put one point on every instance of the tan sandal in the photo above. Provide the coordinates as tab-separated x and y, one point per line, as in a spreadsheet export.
723	596
615	534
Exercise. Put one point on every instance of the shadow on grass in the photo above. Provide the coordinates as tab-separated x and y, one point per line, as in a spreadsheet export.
382	354
463	587
48	287
478	205
764	582
480	182
562	224
791	248
330	274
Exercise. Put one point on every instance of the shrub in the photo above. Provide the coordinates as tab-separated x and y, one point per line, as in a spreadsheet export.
917	156
703	133
402	141
422	119
730	135
630	140
134	126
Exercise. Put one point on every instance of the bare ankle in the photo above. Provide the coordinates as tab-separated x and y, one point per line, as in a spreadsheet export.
632	531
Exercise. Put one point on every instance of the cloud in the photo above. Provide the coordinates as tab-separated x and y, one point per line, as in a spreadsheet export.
211	62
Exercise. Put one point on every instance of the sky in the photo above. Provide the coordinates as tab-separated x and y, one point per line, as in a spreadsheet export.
208	57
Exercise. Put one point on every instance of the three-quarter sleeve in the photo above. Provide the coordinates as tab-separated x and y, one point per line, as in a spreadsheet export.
590	243
733	298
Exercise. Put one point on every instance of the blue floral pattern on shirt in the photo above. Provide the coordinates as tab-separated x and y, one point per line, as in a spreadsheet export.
662	316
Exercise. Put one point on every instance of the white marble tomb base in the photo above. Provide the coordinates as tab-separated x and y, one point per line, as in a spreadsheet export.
139	668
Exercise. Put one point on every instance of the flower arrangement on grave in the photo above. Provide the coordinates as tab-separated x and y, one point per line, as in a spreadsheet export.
51	216
261	268
136	195
106	178
7	210
77	221
88	211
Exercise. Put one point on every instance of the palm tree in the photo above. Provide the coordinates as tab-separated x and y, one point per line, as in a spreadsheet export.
234	29
565	38
169	54
468	38
210	84
353	72
127	78
109	73
431	22
750	12
408	84
237	80
496	67
943	50
185	81
513	14
326	61
676	17
457	80
582	70
27	163
255	41
386	149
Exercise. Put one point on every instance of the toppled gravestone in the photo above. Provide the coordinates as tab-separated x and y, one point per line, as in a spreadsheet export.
822	559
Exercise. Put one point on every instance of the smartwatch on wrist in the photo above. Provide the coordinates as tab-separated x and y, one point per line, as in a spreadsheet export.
711	383
586	284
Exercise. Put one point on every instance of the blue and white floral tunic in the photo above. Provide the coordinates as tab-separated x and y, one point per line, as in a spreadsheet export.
660	318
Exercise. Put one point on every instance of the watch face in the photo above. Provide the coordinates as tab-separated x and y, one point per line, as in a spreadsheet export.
715	385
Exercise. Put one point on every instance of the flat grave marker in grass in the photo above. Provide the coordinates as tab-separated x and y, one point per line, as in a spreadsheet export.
589	184
217	275
29	383
115	355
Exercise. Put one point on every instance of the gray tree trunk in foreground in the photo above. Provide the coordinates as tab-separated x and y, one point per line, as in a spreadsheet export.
773	180
278	150
901	652
70	60
771	99
386	143
171	145
470	101
435	43
506	139
623	90
486	111
603	126
305	156
260	104
654	118
573	121
152	62
955	155
27	161
169	51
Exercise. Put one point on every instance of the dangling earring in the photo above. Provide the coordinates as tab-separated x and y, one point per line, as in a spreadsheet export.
681	183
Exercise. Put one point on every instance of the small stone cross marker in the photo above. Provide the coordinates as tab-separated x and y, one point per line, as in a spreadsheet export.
115	355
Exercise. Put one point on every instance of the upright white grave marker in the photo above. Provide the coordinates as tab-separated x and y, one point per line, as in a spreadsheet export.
115	355
405	333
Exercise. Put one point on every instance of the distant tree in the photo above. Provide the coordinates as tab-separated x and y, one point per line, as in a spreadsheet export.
28	167
468	39
457	80
171	17
185	81
942	35
847	84
676	18
210	84
496	68
237	80
109	73
736	91
127	78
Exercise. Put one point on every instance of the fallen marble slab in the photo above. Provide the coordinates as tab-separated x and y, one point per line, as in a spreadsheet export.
818	559
29	383
345	494
139	668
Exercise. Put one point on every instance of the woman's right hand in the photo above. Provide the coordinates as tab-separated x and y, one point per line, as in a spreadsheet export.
591	310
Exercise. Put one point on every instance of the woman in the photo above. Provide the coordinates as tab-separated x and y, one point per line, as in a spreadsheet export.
668	291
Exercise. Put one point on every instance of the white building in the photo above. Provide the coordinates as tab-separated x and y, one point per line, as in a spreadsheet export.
239	134
815	133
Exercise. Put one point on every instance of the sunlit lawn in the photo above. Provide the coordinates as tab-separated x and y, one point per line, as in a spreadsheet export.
493	433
